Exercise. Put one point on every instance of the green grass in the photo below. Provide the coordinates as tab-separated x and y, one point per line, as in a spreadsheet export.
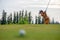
33	32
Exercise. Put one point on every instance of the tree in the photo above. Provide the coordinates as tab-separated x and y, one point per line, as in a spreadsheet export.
17	18
14	19
39	20
32	22
22	13
52	20
36	19
26	18
26	13
29	18
19	14
3	17
57	22
42	20
0	21
9	19
21	19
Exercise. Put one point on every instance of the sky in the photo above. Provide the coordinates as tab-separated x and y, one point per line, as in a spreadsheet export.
34	6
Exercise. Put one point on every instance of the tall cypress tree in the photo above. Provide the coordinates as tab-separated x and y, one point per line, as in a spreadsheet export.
52	20
39	20
21	19
29	17
3	17
19	14
36	19
14	19
22	13
26	13
32	22
26	18
42	20
17	18
9	19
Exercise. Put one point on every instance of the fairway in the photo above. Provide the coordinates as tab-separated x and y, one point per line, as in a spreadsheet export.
33	32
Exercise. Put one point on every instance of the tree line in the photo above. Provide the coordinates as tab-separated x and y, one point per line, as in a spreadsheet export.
18	18
21	18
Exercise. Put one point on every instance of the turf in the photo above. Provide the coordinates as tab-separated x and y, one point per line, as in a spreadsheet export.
33	32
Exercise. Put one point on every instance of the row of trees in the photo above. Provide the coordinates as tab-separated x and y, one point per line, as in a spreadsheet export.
53	21
21	18
18	18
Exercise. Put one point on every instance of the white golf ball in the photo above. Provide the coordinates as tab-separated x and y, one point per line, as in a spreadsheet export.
22	32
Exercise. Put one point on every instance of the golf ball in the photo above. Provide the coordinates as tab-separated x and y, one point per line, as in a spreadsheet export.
22	32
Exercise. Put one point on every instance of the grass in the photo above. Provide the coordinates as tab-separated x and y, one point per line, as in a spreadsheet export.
33	32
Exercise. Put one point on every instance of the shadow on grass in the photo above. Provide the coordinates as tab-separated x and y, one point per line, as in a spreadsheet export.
19	36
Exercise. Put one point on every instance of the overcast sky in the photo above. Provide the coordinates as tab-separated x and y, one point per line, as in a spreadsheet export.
32	5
